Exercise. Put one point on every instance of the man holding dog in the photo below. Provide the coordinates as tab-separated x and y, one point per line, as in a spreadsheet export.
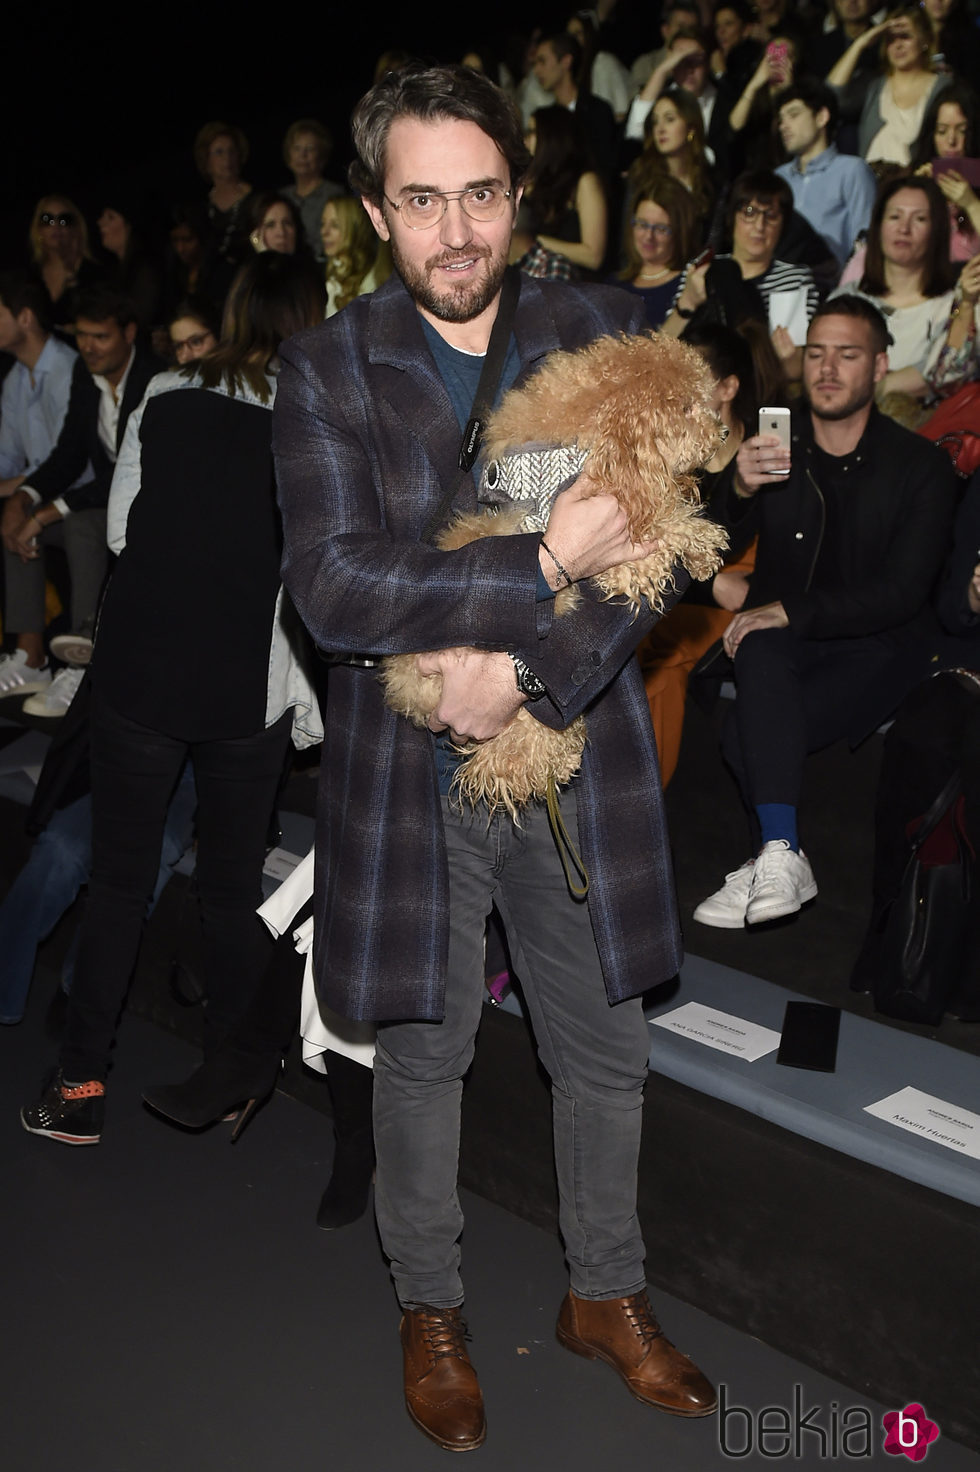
853	524
370	419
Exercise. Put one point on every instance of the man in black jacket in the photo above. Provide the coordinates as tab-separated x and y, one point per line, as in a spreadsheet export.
853	524
109	380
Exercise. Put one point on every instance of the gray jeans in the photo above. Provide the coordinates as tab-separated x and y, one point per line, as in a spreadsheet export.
82	535
595	1055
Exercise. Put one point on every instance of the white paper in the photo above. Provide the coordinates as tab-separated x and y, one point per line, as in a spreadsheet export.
931	1119
280	863
788	309
733	1035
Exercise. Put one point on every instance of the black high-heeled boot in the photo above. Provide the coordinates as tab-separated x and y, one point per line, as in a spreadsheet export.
243	1068
351	1094
229	1078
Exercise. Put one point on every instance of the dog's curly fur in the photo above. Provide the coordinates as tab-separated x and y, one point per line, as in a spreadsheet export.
641	408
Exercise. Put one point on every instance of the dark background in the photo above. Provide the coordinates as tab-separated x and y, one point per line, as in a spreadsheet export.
108	97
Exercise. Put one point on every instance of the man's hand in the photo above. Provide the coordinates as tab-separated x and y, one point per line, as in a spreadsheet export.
588	533
479	692
11	484
762	461
15	513
769	616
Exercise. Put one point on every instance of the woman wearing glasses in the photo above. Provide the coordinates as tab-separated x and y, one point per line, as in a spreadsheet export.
661	235
60	255
752	281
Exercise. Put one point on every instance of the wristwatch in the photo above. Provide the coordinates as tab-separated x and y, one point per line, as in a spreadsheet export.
527	681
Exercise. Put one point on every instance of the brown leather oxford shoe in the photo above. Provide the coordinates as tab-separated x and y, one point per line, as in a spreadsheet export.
442	1393
624	1333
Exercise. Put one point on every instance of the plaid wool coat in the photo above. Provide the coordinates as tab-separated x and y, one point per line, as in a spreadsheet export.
366	444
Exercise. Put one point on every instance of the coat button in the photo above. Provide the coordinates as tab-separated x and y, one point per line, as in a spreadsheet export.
799	536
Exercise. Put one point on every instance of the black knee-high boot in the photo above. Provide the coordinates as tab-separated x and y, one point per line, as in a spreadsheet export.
242	1070
351	1091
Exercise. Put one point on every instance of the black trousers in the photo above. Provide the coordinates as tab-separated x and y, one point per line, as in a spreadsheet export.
795	696
134	771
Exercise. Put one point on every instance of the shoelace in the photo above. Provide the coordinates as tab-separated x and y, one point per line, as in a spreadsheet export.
640	1315
445	1335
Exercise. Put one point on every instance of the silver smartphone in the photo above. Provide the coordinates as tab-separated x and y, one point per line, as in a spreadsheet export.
777	422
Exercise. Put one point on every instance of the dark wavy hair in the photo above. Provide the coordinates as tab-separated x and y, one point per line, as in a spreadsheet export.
560	158
938	274
924	147
431	94
272	297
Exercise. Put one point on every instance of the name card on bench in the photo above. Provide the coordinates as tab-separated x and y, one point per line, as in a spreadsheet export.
280	863
732	1035
932	1119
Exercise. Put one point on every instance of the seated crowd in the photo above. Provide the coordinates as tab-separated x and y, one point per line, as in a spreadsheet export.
790	189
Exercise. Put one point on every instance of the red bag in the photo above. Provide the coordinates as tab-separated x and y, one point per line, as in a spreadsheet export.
955	426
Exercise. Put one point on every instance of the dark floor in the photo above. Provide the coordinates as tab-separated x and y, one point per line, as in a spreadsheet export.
170	1305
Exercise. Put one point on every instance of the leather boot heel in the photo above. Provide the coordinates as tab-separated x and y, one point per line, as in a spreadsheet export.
227	1079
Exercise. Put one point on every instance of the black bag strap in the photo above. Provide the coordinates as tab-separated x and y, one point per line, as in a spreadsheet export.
933	817
486	392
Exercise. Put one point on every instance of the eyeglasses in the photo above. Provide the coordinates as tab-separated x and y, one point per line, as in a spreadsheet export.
192	344
649	227
485	202
750	212
65	220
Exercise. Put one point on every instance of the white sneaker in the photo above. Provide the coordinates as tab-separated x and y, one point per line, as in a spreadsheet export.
58	696
73	649
16	678
725	909
782	882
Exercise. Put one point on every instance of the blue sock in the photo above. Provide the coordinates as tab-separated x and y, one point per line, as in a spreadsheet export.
778	820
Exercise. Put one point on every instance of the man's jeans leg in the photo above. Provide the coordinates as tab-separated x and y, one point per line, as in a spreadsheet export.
596	1055
49	882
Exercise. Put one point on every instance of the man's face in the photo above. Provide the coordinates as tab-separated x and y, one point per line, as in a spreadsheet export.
104	346
840	366
11	333
852	12
692	72
679	16
547	68
453	268
800	128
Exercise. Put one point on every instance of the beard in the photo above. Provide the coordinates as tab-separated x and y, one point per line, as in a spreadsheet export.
454	303
859	398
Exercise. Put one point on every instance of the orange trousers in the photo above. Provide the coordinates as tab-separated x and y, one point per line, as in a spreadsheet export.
667	657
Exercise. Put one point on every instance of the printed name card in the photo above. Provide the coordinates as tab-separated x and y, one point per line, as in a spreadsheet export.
931	1119
732	1035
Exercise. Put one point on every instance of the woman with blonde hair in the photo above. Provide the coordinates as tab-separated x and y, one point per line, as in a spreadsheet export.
357	261
895	104
60	256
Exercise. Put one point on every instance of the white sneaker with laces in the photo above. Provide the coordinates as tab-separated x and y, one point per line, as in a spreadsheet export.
58	696
17	678
725	909
782	882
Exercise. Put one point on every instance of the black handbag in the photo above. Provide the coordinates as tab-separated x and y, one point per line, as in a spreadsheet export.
925	933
